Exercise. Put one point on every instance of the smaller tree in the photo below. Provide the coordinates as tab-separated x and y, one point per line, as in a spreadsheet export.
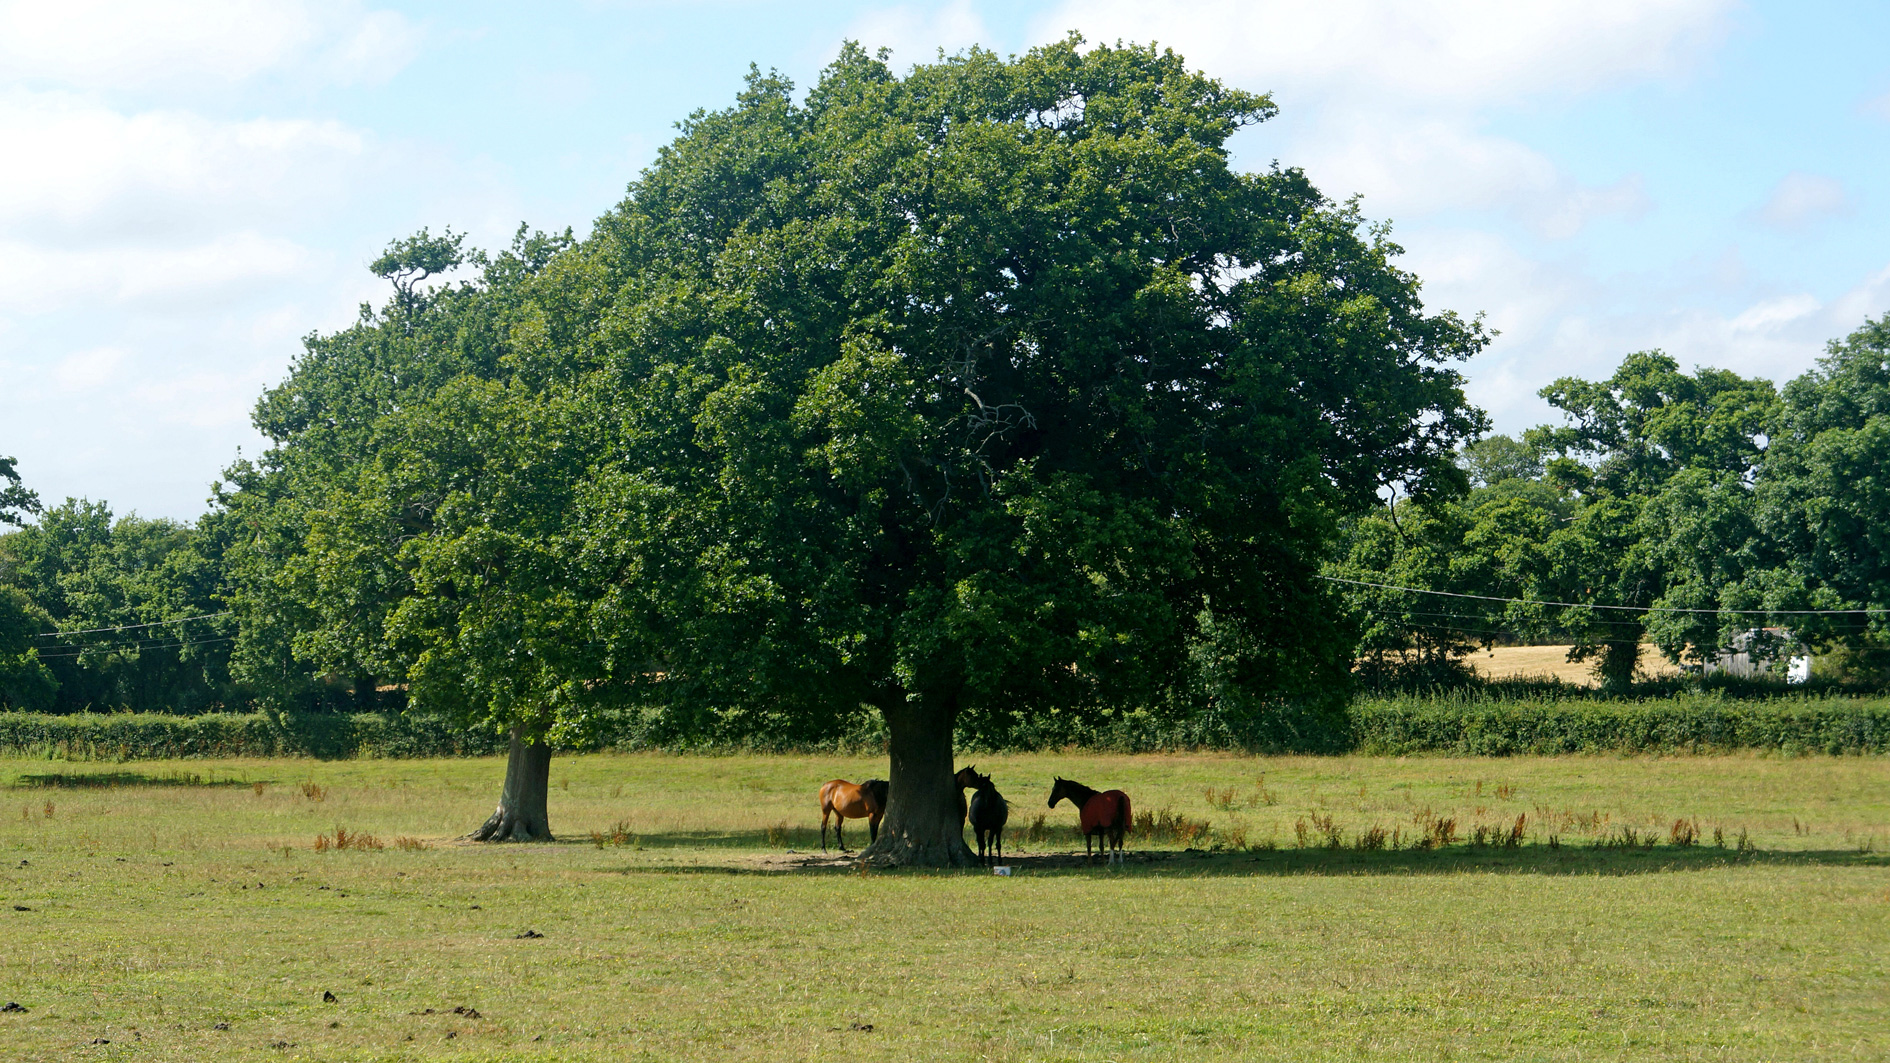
1476	550
1822	501
25	681
92	574
1642	450
1496	459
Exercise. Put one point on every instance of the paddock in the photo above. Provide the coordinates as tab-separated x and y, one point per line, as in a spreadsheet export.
1731	907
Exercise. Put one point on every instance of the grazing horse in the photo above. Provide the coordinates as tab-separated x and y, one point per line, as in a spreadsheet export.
843	801
1104	815
988	813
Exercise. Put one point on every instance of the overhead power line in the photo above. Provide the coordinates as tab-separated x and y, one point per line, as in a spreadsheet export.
1621	608
129	627
140	646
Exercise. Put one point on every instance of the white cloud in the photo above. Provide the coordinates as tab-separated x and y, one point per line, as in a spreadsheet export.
162	280
87	370
137	43
1393	100
203	399
1768	316
158	262
98	175
1409	165
1571	207
1801	199
1558	318
378	46
1463	51
916	33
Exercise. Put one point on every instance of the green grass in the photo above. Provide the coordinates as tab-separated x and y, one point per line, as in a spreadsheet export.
167	897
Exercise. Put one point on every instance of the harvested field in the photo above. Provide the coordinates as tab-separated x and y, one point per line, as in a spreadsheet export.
1551	662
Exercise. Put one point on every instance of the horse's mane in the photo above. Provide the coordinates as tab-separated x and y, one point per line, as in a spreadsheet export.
1078	792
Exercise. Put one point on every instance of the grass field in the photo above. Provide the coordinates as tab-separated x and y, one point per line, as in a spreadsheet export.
183	910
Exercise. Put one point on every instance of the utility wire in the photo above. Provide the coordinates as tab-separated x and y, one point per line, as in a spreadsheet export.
135	646
1625	608
129	627
1389	611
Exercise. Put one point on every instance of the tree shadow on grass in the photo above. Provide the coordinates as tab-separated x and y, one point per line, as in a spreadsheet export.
110	780
796	839
751	853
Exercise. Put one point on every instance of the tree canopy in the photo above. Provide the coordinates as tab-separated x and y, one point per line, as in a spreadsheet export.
986	391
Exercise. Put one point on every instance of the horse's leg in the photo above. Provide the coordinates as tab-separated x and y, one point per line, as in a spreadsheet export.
872	824
999	840
823	829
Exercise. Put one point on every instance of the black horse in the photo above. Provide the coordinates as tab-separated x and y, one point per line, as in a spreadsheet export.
988	814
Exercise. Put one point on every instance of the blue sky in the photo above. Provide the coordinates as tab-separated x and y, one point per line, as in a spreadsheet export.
193	185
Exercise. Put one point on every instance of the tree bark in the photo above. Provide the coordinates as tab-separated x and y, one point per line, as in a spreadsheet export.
521	815
1617	664
922	827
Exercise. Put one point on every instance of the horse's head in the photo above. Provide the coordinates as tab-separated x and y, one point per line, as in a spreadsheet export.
1059	791
968	776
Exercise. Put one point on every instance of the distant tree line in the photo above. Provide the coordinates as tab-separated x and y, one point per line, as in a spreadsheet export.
1727	510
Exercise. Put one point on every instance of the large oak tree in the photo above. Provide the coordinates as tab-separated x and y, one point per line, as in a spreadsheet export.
982	392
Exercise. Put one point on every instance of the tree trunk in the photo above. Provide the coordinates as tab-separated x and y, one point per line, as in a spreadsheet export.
1617	664
366	696
521	815
921	828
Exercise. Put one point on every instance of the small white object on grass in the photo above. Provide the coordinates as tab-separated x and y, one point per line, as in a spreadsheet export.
1005	871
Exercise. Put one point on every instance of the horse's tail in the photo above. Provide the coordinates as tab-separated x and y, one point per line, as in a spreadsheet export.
1128	814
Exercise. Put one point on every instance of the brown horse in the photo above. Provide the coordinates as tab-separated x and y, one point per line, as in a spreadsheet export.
844	800
1102	813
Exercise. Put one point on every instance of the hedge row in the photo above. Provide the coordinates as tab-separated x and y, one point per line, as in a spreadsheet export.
1462	723
142	736
1468	725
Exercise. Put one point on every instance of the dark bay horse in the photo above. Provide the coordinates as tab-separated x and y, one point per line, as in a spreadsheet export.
1105	815
844	800
988	814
